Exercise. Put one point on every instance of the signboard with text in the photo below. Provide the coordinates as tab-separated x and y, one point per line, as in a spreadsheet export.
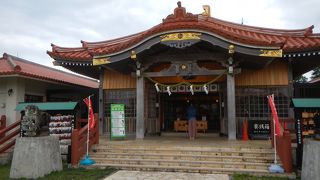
259	129
117	121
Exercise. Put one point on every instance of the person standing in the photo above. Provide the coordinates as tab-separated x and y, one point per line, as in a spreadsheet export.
192	129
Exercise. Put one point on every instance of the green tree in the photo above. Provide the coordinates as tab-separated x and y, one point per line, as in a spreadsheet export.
301	79
315	73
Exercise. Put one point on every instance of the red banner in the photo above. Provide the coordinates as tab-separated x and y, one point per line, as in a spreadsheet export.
278	131
91	119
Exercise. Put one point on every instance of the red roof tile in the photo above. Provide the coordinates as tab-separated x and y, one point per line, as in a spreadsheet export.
11	65
288	40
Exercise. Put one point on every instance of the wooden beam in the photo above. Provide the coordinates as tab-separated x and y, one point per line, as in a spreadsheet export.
168	74
190	68
217	56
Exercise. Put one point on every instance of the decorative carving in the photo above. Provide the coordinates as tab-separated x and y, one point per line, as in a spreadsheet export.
191	69
206	9
180	40
100	61
180	36
180	14
183	67
271	53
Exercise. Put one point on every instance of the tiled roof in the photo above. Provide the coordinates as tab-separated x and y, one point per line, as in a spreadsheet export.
11	65
289	40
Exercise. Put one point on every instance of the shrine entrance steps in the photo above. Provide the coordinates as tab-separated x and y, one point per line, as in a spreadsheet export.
178	154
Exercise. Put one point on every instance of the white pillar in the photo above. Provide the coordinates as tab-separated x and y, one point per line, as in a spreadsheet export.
231	108
140	108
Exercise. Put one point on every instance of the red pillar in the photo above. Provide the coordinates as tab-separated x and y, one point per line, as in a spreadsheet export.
75	147
286	153
3	124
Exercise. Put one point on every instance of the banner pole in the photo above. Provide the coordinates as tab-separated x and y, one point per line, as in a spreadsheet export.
88	126
275	168
274	142
87	161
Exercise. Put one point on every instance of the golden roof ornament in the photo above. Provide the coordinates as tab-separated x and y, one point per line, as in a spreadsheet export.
206	9
231	49
133	55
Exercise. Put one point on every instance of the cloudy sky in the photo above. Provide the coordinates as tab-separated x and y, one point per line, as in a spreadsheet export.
27	27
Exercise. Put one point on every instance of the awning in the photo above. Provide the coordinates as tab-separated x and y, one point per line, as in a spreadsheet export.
306	102
49	106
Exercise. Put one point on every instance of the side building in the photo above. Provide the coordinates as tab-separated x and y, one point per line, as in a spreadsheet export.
26	81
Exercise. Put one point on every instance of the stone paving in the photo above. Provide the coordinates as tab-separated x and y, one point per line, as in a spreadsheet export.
143	175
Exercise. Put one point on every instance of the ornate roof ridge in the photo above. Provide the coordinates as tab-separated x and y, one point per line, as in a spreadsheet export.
180	14
87	44
56	48
180	20
257	29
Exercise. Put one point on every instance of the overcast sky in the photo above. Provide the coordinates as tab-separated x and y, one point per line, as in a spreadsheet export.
27	27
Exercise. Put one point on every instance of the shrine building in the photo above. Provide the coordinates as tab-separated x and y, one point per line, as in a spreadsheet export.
225	69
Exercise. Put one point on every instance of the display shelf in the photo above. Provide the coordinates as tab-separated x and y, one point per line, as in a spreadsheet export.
61	126
308	124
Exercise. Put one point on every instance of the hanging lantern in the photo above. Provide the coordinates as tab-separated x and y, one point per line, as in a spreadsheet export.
191	89
205	88
157	87
168	90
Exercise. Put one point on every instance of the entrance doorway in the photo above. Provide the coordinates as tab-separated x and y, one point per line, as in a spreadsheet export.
174	108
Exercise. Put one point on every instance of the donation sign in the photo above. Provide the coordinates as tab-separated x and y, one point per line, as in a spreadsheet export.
117	121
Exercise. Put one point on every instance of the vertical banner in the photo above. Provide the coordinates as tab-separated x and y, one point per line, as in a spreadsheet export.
275	118
117	121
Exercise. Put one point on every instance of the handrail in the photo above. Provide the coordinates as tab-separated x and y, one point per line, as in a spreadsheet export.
7	137
284	149
10	127
78	141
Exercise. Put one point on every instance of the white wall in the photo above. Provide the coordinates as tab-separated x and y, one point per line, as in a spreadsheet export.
18	87
3	93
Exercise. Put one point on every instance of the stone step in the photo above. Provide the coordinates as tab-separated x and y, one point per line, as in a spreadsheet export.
169	152
183	148
165	162
186	151
180	168
183	157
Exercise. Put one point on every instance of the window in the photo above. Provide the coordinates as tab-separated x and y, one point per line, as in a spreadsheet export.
252	102
126	97
33	98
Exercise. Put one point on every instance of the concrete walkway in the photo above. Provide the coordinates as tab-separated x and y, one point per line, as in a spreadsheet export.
143	175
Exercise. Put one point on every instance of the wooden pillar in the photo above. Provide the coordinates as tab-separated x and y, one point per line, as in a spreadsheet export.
231	108
290	88
140	108
103	127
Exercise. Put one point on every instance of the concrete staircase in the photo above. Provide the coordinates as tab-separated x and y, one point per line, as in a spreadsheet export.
204	159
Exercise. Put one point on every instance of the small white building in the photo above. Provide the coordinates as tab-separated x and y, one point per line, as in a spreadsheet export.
25	81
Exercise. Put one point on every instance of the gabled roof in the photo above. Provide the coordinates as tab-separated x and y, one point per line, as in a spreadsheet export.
11	65
299	40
